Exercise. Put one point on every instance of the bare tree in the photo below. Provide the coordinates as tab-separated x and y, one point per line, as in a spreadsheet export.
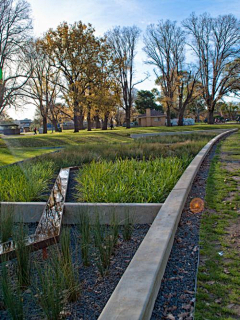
215	42
188	89
164	46
15	26
123	42
42	87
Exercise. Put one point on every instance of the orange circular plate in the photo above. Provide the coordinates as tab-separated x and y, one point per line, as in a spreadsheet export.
196	205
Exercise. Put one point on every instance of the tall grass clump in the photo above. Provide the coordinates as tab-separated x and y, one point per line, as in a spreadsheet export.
25	182
127	181
114	228
69	272
6	224
127	227
84	226
23	257
50	290
12	295
104	242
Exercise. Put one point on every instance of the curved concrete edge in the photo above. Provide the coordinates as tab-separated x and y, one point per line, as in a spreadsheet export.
136	292
173	133
139	213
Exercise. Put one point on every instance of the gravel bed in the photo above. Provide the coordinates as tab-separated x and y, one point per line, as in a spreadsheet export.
95	290
176	297
72	183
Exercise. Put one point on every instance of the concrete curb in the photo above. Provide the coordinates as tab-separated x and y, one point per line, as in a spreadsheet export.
172	133
136	292
140	213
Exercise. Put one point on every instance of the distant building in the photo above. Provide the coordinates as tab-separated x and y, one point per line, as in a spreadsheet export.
9	128
68	125
24	124
152	118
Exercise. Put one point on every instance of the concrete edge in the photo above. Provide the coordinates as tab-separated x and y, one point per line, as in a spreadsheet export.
136	292
173	133
139	213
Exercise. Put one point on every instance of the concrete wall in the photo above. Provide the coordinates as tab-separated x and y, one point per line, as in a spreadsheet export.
139	212
150	121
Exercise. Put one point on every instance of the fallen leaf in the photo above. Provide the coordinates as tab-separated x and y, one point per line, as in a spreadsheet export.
170	316
186	306
225	270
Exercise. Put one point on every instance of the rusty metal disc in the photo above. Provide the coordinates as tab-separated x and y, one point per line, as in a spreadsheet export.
196	205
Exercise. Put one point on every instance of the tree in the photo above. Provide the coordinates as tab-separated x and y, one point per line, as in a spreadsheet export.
164	46
215	42
123	42
229	110
73	50
42	86
188	89
197	108
146	99
15	26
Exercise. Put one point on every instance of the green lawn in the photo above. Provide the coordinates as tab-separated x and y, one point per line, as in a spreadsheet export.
11	155
15	148
96	135
218	287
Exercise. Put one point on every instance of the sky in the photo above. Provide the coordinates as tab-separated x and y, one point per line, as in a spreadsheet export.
104	14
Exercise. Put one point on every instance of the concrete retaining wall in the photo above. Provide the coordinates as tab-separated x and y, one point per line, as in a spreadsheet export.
135	294
139	212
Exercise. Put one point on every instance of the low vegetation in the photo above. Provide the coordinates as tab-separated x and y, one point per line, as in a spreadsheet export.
129	180
25	182
31	286
219	276
30	180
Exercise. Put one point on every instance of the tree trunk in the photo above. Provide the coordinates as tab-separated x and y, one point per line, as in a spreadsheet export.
80	121
168	117
128	118
75	120
89	125
210	116
180	117
105	121
44	124
97	122
54	123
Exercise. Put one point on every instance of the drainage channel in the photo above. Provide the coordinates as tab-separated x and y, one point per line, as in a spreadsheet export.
49	226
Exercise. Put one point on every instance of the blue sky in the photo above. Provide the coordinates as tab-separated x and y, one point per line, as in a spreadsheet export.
104	14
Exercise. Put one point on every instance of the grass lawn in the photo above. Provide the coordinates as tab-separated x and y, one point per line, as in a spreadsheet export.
218	287
120	134
8	156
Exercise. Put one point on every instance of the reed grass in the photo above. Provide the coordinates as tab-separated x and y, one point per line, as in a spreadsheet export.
12	296
26	182
6	224
127	227
129	181
69	272
104	242
114	228
85	229
50	290
23	257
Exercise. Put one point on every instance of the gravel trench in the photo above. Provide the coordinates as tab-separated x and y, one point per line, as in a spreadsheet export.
176	297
